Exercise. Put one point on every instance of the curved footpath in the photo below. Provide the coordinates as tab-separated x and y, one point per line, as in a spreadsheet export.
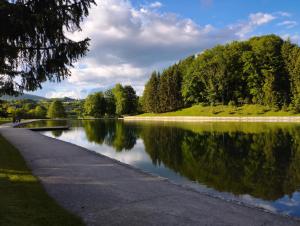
105	192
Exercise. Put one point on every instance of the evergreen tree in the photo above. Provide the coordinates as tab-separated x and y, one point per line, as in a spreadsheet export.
131	100
150	95
169	92
175	96
34	46
164	91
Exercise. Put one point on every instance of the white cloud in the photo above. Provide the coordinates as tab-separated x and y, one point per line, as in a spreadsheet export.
156	5
127	43
255	20
283	14
61	94
288	23
261	18
294	38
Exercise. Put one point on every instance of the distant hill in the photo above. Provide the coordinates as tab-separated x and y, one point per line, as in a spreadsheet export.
23	97
65	99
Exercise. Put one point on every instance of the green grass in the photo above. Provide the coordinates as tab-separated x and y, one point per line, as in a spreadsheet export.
223	110
2	121
23	201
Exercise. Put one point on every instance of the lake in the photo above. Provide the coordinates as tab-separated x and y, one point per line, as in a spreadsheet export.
254	163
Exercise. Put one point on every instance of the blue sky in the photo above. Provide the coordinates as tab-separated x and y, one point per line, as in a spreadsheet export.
220	13
130	38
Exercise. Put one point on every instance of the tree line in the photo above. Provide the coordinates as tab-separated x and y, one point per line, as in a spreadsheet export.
240	161
30	109
120	100
262	70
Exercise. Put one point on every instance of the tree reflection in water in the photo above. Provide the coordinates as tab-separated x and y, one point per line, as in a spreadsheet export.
262	160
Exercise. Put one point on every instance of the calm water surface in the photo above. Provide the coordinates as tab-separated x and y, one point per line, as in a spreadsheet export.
255	163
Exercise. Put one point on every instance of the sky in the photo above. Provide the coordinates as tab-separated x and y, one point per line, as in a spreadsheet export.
131	38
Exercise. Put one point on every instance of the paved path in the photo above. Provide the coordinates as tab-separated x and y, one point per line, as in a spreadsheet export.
105	192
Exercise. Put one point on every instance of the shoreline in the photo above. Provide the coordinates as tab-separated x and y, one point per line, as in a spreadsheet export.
294	119
67	171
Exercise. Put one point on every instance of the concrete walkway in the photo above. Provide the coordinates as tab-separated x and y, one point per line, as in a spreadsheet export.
105	192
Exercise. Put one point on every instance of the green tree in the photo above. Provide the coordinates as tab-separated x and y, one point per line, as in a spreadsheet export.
34	45
95	105
295	83
56	110
40	112
262	70
169	91
110	102
268	52
131	100
120	97
3	109
150	95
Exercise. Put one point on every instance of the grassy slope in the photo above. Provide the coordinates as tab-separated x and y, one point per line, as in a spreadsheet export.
23	201
2	121
221	110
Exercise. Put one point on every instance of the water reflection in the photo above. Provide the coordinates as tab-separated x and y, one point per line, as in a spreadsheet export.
256	161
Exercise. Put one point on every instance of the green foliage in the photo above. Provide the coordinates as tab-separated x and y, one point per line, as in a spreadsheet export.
227	110
259	159
40	112
3	109
150	96
163	92
74	109
120	98
260	162
125	99
112	133
169	91
34	47
56	110
110	102
95	105
262	70
131	100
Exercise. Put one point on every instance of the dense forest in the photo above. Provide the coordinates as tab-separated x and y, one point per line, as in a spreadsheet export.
262	70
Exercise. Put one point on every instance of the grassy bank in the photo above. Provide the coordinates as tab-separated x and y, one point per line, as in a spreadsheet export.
2	121
222	110
23	201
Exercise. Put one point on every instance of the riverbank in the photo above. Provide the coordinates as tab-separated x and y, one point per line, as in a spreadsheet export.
247	110
103	191
213	119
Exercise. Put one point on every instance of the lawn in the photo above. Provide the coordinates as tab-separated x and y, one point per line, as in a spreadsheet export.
23	201
223	110
2	121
